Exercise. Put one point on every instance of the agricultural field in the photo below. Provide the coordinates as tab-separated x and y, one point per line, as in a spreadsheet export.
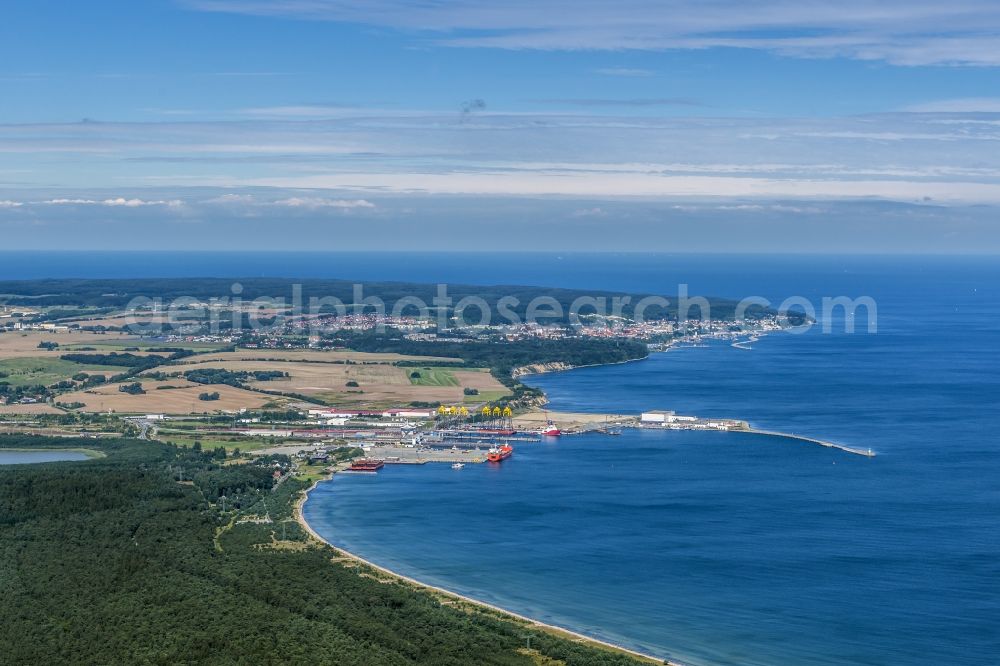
115	344
18	344
378	384
486	395
181	400
314	355
124	320
433	377
323	375
35	408
46	370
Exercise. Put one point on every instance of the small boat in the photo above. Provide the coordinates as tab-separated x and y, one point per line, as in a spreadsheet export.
458	465
499	453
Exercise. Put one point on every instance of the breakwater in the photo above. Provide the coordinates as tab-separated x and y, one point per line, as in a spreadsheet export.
868	453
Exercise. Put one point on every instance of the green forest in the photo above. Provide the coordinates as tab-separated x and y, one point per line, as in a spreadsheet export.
138	558
118	293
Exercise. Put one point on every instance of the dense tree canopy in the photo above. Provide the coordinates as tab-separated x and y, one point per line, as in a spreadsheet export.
130	559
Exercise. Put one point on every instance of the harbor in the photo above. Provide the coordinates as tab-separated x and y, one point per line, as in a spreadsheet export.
471	445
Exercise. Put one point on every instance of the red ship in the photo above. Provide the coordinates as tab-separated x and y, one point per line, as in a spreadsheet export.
497	454
550	429
496	431
366	465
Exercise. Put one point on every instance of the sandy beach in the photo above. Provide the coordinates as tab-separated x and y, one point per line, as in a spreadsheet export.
542	626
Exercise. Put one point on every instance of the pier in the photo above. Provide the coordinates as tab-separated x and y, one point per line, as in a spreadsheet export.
449	436
868	453
668	420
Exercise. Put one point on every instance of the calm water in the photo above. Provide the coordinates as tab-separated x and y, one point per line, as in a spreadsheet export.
774	277
16	457
719	548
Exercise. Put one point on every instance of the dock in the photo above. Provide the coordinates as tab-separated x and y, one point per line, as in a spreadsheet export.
405	455
450	436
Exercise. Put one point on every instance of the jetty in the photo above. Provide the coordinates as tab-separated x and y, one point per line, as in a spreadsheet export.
669	420
868	453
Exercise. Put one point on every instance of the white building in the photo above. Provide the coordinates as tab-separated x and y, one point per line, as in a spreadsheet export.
657	416
332	413
409	413
665	417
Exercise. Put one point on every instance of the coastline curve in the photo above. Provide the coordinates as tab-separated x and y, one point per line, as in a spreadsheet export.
454	596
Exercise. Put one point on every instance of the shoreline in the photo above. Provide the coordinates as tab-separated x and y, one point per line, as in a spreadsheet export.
90	453
545	368
481	605
560	366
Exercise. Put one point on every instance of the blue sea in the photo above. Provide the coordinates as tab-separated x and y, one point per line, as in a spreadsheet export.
715	548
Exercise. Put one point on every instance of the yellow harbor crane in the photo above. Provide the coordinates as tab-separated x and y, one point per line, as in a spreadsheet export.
497	416
453	410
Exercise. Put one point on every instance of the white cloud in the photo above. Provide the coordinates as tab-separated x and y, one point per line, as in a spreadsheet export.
115	202
889	135
340	165
316	203
304	203
231	198
588	185
903	32
246	74
7	203
624	71
589	212
134	203
305	111
964	105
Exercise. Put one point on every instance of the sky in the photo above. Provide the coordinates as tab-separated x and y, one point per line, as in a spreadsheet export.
636	125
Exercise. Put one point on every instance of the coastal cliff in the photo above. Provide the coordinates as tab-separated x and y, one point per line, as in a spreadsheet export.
539	368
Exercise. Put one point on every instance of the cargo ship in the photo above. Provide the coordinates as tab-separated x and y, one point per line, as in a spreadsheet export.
499	453
366	465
